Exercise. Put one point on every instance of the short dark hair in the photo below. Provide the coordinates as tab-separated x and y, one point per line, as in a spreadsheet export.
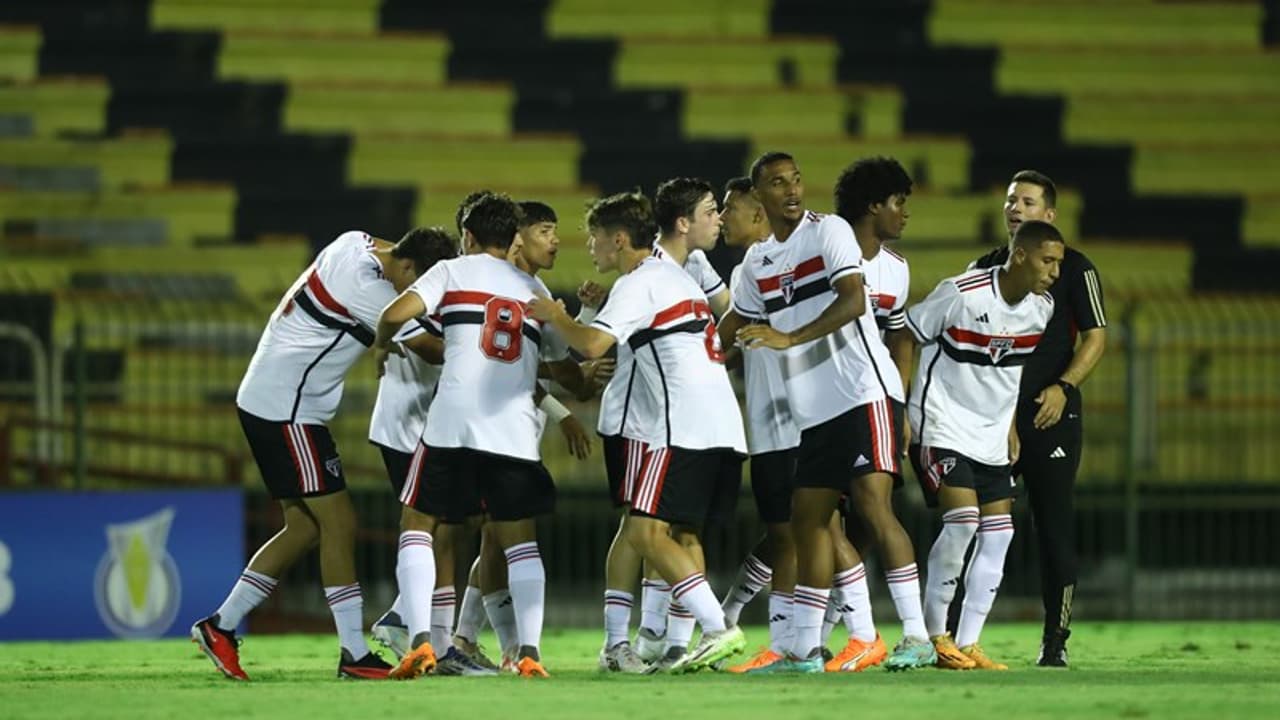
765	160
738	185
869	181
465	205
536	211
426	246
494	220
630	212
1035	177
678	198
1032	234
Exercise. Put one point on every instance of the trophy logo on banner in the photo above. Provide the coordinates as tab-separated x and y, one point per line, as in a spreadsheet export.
137	587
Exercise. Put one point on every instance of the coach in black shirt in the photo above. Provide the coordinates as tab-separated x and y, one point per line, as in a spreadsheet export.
1049	415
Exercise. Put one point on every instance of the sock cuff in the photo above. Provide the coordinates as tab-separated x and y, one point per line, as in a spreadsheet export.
260	582
812	597
497	597
655	585
905	574
444	596
415	539
845	578
961	516
781	596
996	523
618	598
522	552
337	594
685	586
757	570
676	610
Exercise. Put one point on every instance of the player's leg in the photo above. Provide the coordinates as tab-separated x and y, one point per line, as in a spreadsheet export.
655	606
680	620
950	487
622	563
811	511
994	490
1049	464
753	575
498	606
472	613
851	597
390	630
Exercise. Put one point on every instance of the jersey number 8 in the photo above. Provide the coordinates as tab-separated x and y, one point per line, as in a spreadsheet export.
714	350
503	321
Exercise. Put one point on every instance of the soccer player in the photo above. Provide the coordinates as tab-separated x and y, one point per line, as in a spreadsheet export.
772	439
804	290
978	329
480	444
1050	409
680	405
289	392
871	195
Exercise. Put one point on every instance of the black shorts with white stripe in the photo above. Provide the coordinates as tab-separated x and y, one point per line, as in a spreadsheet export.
397	463
622	458
296	460
688	487
936	467
453	484
862	441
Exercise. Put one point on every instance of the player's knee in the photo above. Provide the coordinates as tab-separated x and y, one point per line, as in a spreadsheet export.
686	536
644	535
413	521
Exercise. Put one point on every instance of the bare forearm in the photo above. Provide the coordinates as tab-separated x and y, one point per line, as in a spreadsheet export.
902	349
582	338
1092	344
839	313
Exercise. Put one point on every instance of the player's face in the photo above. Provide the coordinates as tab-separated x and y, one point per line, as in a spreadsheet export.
402	275
704	226
738	218
1042	265
892	218
1025	201
781	191
603	249
539	245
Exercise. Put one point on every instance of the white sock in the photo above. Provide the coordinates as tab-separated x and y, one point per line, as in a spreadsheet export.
753	575
695	594
982	581
904	587
850	593
810	607
617	616
527	580
946	559
781	622
655	599
680	622
347	605
416	575
501	611
832	618
444	601
471	614
248	593
397	608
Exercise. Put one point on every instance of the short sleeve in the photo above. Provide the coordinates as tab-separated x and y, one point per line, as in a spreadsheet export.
840	250
704	273
1086	304
627	311
372	291
897	319
930	317
745	290
431	286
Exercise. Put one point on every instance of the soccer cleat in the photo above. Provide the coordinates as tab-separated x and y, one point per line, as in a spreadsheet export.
949	656
980	659
911	653
622	659
858	655
673	655
473	651
220	645
415	663
369	667
1053	650
392	634
650	646
456	662
811	664
710	648
760	663
528	667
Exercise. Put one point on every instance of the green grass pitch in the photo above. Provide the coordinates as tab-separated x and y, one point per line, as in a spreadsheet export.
1209	670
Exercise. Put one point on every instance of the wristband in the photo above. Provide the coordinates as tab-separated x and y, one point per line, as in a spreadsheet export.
1066	386
555	410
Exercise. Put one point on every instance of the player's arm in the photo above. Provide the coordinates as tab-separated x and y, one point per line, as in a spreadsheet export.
1085	303
719	303
571	376
588	341
404	308
850	303
426	346
729	326
902	348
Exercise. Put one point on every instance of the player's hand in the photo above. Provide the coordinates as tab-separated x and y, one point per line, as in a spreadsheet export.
1051	400
591	294
577	437
544	309
380	355
760	335
598	372
1015	444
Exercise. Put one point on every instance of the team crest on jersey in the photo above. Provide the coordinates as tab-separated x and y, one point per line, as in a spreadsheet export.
787	284
997	348
334	466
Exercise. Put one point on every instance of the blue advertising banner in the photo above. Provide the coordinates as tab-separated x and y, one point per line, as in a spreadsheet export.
116	564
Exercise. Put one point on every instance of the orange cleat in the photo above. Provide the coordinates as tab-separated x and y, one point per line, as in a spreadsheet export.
980	659
416	663
949	656
528	667
758	662
858	655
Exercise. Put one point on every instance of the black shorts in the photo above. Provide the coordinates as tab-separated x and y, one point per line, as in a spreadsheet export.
773	474
1051	455
296	461
622	458
862	441
936	467
397	464
453	484
688	487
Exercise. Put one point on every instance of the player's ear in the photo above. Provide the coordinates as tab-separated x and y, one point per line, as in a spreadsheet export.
1050	214
682	225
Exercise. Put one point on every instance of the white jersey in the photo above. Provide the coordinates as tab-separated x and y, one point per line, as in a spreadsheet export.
789	284
613	401
405	391
484	400
678	393
323	323
888	283
966	387
770	426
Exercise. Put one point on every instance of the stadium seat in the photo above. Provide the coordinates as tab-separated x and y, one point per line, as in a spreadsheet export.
19	52
62	105
361	109
131	160
542	161
339	16
327	57
672	18
191	214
